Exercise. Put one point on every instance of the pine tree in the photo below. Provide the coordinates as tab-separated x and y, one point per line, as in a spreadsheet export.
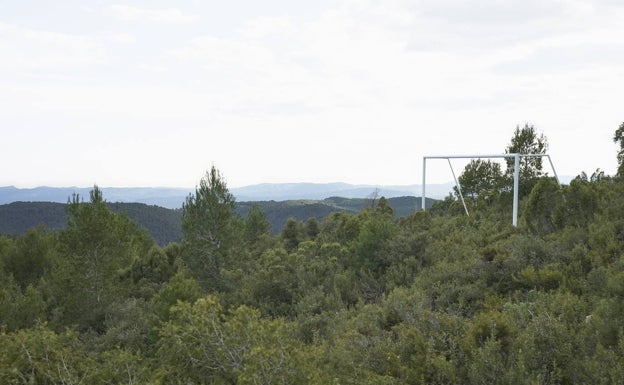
210	228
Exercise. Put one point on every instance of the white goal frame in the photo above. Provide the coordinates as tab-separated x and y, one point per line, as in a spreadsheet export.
516	157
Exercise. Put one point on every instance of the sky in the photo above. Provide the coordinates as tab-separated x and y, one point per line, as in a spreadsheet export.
153	93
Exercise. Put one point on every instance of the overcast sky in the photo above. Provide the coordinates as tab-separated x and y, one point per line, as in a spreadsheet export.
152	93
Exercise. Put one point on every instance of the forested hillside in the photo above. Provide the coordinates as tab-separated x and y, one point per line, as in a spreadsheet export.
165	225
436	297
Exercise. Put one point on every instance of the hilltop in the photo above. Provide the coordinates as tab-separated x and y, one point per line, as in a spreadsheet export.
164	224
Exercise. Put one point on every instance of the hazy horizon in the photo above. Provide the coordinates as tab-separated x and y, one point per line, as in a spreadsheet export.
154	93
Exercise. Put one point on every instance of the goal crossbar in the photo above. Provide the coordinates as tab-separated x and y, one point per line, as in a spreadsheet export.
487	156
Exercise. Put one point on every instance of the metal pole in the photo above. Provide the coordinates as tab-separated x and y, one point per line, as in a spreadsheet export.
458	187
515	197
553	168
422	206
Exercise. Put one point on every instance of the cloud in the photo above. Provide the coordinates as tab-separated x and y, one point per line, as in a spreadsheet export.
341	61
372	85
24	48
494	12
219	53
479	26
566	58
169	15
152	68
123	38
266	26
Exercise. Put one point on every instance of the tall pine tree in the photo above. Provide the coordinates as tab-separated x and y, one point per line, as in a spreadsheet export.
210	228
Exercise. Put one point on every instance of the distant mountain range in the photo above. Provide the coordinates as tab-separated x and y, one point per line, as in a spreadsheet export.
174	197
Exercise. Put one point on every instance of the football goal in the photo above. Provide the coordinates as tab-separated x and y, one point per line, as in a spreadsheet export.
494	156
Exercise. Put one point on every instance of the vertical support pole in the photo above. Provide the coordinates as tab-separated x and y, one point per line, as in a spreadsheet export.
422	205
515	197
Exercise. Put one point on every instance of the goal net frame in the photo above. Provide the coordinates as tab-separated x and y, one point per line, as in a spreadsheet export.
516	157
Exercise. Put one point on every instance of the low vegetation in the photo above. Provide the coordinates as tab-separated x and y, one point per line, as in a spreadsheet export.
436	297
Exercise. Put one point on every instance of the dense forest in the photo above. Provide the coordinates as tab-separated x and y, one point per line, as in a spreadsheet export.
437	297
165	225
162	224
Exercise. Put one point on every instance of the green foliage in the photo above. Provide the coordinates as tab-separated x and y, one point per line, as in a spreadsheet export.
312	228
341	228
292	234
272	287
17	218
581	202
358	298
373	237
256	224
127	326
542	211
97	249
480	178
152	269
41	356
164	225
31	255
179	289
210	228
383	207
526	141
19	308
544	279
203	343
618	137
491	325
488	364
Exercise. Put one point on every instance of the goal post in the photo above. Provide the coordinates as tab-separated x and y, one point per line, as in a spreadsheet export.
488	156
